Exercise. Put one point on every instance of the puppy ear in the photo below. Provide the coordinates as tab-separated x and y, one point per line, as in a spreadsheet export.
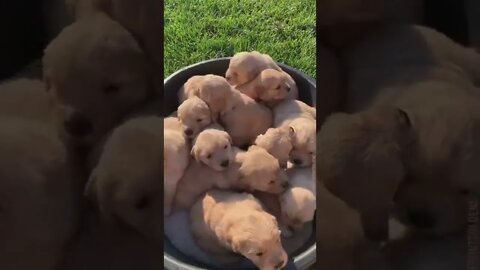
403	118
195	154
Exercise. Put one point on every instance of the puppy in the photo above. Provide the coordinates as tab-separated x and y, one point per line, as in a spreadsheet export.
245	66
212	89
175	159
126	183
288	110
96	73
213	147
252	170
298	202
195	115
246	119
303	141
278	142
271	87
225	223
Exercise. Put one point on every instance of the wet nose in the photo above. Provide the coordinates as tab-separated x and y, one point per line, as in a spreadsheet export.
297	161
280	264
225	163
188	132
78	125
421	219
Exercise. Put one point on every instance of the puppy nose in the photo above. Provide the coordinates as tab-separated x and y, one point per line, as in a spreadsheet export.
225	163
78	125
297	161
280	264
421	219
188	132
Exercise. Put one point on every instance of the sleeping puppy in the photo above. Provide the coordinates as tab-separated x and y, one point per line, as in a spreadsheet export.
278	142
225	224
195	115
303	141
212	89
271	87
126	183
245	66
175	159
213	148
246	119
296	206
298	202
252	170
288	110
96	73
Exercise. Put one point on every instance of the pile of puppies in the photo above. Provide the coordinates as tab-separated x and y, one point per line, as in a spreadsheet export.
238	156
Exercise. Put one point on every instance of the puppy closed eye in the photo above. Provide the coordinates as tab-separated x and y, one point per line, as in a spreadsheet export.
209	156
271	182
226	146
199	120
259	254
278	87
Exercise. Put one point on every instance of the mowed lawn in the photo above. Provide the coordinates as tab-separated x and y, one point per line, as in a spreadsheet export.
197	30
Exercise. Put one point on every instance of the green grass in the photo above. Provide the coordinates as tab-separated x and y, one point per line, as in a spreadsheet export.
197	30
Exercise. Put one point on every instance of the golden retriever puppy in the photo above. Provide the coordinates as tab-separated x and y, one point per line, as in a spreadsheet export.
431	207
278	142
40	195
175	159
126	183
245	66
27	98
246	119
303	141
298	202
360	154
271	87
252	170
195	115
288	110
97	73
212	89
213	147
226	223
